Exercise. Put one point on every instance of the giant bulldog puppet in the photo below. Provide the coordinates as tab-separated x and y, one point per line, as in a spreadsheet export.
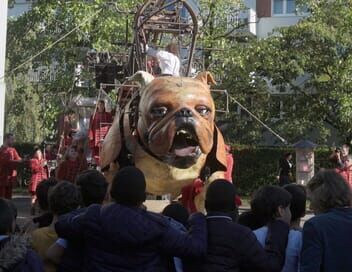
167	129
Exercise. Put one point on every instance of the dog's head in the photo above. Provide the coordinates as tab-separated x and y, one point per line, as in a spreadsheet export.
176	121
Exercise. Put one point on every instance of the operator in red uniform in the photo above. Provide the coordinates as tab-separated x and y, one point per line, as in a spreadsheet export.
9	160
99	125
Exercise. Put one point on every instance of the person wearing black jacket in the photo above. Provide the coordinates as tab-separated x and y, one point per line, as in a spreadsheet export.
121	236
233	247
285	169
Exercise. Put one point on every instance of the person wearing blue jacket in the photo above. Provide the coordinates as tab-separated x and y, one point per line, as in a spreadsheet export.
327	239
123	237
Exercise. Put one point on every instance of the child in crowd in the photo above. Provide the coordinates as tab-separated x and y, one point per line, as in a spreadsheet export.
298	204
15	252
178	213
73	164
233	247
123	237
178	216
269	202
327	240
69	256
63	198
46	217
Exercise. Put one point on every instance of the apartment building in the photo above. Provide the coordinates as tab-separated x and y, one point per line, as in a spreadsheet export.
261	17
18	7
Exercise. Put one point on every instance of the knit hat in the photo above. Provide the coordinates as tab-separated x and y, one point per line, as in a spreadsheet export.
220	196
128	187
177	212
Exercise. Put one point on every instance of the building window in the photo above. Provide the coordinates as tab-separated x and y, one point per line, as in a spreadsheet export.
284	7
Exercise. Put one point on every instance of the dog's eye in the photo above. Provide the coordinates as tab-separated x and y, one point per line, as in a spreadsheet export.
158	111
203	110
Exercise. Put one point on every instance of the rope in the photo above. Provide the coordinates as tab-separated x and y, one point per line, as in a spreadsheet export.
51	45
259	121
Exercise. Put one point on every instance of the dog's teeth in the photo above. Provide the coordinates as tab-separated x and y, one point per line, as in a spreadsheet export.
182	131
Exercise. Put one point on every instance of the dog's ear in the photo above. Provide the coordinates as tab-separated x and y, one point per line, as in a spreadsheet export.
216	159
142	78
206	77
112	143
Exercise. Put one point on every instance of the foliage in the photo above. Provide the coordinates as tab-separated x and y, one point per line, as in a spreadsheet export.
255	167
32	107
317	51
314	60
311	60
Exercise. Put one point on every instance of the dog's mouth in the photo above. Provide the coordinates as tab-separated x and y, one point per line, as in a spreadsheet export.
185	143
185	149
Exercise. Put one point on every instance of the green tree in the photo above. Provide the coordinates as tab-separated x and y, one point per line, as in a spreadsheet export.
98	25
104	31
314	60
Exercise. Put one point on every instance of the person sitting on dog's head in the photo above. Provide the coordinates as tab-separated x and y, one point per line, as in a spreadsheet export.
168	59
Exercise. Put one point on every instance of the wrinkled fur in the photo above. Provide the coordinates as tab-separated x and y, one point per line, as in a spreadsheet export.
13	252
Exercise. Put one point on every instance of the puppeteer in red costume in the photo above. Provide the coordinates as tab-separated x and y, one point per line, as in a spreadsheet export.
73	164
191	191
68	127
99	126
346	170
39	172
9	160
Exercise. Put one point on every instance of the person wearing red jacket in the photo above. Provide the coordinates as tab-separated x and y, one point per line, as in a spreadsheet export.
9	160
99	125
346	170
73	164
39	173
189	192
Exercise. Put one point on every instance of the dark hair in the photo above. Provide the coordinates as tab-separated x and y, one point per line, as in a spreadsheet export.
6	217
266	201
298	201
220	196
93	187
128	187
70	111
8	135
286	155
42	192
64	197
327	190
251	221
177	212
35	149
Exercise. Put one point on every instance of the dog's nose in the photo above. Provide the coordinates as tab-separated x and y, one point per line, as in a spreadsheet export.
184	112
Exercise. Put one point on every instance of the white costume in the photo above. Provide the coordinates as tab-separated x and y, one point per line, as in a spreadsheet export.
168	62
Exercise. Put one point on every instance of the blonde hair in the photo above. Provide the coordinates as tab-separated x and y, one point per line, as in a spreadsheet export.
327	190
172	48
